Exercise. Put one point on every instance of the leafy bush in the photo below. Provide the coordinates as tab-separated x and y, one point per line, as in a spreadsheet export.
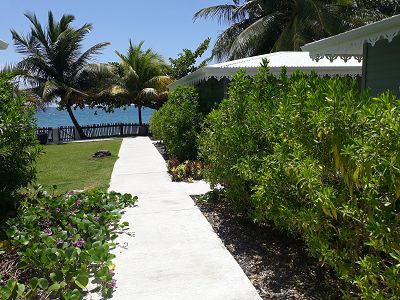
318	159
62	242
178	122
187	171
18	144
185	63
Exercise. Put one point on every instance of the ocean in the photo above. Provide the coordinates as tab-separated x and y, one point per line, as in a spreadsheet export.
52	117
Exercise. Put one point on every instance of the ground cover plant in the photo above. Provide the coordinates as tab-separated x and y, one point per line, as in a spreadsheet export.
71	166
186	171
320	160
178	122
56	244
18	144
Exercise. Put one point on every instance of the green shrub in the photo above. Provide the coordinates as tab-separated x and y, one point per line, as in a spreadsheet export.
61	243
178	122
318	159
18	144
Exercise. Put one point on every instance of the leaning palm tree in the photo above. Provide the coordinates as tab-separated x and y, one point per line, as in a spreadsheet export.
261	26
54	66
141	78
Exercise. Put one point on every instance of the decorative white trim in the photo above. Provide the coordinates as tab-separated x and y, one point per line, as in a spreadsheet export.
350	44
293	61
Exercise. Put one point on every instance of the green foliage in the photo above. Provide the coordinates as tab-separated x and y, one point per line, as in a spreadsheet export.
257	26
187	171
54	64
140	79
18	144
177	123
64	241
321	160
185	63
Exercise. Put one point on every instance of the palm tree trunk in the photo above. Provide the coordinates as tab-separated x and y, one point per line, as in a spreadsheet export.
78	127
139	107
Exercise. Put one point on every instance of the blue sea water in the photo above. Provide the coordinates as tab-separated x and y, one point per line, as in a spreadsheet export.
52	117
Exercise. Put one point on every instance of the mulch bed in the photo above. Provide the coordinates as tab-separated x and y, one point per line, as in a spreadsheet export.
277	264
161	148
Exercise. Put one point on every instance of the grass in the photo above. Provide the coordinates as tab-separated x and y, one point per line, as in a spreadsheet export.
70	166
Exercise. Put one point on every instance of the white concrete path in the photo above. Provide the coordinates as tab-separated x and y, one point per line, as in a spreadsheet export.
174	253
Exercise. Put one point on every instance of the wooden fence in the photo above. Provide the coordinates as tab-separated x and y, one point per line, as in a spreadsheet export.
94	131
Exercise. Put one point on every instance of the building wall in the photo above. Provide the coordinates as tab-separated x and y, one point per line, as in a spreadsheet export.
211	93
381	69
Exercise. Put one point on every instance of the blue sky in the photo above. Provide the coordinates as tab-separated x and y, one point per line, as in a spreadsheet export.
165	26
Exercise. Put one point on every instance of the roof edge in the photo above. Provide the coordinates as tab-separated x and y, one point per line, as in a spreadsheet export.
350	43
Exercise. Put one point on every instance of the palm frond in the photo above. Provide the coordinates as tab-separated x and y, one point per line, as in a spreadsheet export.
251	38
160	83
224	13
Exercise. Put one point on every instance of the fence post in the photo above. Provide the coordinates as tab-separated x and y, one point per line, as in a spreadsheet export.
76	134
56	136
121	129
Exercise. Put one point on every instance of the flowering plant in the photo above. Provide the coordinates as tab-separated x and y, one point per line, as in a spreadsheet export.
63	242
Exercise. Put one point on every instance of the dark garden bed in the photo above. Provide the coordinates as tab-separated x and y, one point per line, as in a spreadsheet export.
277	265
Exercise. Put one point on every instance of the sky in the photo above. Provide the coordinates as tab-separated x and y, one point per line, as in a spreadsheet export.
165	26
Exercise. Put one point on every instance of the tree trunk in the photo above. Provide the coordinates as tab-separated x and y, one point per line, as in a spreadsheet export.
139	107
78	127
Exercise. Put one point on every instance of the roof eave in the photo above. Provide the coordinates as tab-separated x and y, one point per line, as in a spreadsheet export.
351	43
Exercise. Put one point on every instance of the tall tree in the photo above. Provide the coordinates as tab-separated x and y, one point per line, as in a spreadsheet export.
55	67
140	79
185	63
261	26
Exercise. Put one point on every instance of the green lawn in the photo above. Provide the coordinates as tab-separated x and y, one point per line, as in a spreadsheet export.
70	166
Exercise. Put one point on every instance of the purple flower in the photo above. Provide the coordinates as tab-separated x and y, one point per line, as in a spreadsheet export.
59	241
113	284
79	243
48	231
70	193
78	202
58	210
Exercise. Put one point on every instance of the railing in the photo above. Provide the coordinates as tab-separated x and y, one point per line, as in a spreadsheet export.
48	131
93	131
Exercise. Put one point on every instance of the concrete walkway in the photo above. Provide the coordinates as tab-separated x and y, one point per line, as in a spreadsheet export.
173	253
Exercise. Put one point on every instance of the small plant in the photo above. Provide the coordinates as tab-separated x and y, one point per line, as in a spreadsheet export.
187	171
61	243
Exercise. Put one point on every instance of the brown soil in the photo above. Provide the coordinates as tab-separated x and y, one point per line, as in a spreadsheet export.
277	264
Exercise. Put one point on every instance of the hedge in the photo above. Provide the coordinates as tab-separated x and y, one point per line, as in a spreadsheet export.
178	122
319	159
18	144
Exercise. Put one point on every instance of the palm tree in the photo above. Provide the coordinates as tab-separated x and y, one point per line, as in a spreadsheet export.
141	78
261	26
55	66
